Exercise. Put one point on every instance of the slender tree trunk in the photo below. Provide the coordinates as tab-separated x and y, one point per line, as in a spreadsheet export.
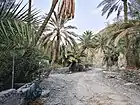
57	47
136	52
29	12
87	56
13	71
42	27
130	56
125	11
56	50
125	21
137	59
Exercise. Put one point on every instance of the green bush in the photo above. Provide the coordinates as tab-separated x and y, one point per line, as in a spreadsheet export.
27	65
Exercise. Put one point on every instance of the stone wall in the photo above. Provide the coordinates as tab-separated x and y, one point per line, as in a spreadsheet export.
31	91
10	97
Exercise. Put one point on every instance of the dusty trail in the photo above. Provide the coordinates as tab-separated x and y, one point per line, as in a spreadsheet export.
88	88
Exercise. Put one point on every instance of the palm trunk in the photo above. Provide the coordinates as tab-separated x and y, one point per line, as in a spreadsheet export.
13	71
29	12
57	48
125	11
136	52
42	27
87	56
129	49
125	21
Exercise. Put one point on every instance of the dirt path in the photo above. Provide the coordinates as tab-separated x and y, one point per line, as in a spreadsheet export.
88	88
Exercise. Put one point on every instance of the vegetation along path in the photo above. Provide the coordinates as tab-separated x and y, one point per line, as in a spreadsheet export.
88	88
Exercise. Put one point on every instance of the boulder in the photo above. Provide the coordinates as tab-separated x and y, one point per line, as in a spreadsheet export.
77	67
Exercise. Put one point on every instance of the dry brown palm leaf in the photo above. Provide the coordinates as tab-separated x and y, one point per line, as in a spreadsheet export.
66	9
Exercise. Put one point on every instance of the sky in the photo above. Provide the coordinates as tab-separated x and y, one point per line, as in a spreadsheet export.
87	15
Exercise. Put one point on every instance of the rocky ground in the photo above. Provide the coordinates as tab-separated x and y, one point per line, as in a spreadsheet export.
94	87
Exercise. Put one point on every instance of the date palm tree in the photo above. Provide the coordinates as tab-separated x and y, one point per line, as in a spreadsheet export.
86	40
57	33
115	5
87	45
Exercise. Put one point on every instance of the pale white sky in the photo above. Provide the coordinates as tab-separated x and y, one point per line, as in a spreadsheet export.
87	15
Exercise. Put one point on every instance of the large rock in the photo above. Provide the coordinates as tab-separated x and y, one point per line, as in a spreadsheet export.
77	67
26	93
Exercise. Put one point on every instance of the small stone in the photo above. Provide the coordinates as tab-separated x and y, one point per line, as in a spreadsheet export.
45	93
129	84
111	76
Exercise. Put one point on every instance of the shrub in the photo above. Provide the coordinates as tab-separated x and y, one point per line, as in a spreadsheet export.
27	65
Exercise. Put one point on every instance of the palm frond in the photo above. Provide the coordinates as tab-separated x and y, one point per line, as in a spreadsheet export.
102	3
106	8
114	7
17	12
16	34
14	30
109	6
122	34
119	11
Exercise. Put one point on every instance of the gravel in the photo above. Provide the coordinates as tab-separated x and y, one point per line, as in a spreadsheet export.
89	88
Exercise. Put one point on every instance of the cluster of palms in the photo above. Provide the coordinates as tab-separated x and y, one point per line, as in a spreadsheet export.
120	37
26	44
56	35
123	35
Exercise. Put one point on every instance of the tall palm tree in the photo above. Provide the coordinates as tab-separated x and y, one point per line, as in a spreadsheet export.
65	9
86	45
115	5
100	41
86	40
58	33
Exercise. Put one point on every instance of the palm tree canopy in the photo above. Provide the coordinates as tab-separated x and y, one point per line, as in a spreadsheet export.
114	5
14	32
55	26
7	2
86	39
135	10
99	41
114	34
